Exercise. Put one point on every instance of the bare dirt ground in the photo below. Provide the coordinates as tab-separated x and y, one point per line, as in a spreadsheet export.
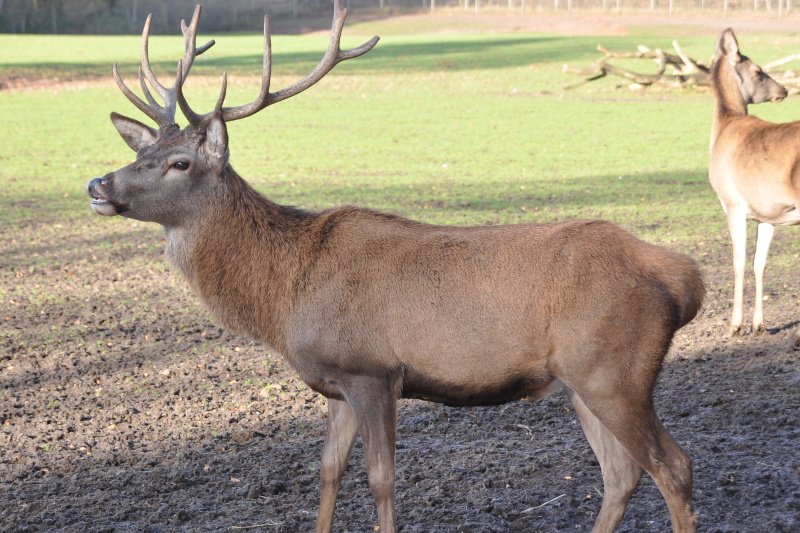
124	408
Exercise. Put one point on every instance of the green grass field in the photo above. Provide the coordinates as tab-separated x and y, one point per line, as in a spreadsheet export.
455	128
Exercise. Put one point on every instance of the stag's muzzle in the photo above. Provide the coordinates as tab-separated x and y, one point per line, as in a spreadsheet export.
101	205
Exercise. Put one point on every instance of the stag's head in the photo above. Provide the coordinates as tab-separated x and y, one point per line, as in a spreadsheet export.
176	168
754	84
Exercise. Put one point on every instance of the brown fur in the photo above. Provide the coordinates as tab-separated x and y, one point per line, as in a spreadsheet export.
370	307
460	315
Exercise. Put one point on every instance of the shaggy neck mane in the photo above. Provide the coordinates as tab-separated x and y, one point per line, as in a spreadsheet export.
248	260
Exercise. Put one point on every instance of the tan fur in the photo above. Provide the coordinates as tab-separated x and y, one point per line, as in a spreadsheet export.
754	166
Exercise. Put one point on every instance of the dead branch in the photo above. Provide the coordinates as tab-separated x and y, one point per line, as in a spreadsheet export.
684	71
690	66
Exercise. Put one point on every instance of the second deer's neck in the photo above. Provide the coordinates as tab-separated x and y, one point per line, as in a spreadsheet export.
726	85
728	99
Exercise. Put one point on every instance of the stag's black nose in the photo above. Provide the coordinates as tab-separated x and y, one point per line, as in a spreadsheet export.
94	185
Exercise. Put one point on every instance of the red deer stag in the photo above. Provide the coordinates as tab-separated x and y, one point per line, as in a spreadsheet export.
369	308
754	168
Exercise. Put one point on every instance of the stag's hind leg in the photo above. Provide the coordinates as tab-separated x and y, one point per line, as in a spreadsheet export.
621	474
629	416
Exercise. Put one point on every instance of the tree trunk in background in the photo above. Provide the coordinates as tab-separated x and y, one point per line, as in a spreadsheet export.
165	18
54	5
133	16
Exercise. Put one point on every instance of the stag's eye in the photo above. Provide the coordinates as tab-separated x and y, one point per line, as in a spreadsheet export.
181	165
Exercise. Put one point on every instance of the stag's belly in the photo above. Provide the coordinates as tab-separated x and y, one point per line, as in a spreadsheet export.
453	382
483	389
433	362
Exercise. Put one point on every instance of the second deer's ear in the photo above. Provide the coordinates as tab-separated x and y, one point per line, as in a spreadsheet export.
134	133
728	46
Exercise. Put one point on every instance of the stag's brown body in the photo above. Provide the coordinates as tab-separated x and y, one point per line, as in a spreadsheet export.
754	166
370	307
471	315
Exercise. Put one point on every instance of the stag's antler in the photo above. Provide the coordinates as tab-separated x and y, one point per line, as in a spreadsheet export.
164	115
332	57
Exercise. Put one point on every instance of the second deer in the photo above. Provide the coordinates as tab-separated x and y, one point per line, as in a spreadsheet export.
754	167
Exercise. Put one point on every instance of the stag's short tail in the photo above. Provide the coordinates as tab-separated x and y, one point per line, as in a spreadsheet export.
692	294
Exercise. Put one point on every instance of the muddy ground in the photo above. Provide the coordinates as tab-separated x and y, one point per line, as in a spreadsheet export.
123	407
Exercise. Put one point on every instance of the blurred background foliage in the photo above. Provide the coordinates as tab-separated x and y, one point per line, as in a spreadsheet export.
297	16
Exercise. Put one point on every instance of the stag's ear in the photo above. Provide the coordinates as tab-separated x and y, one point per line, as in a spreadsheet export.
215	143
134	133
728	46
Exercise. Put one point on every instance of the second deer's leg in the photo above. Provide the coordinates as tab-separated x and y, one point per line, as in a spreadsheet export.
765	232
340	435
737	225
621	474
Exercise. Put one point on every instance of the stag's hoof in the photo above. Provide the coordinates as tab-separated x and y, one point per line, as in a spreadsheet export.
759	328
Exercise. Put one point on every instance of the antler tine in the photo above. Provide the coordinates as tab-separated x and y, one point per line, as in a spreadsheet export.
221	98
163	115
185	65
245	110
159	114
145	53
150	111
166	113
332	57
190	40
190	115
261	101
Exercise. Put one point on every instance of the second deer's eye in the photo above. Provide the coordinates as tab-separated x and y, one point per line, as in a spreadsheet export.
181	165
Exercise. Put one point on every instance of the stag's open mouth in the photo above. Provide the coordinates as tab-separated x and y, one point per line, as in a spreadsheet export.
100	204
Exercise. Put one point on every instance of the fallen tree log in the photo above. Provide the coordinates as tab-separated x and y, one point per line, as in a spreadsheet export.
672	70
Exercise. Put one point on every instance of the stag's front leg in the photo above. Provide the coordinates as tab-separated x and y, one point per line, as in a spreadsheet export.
375	404
340	435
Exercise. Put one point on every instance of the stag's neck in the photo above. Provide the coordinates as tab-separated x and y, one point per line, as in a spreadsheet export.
728	99
244	256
